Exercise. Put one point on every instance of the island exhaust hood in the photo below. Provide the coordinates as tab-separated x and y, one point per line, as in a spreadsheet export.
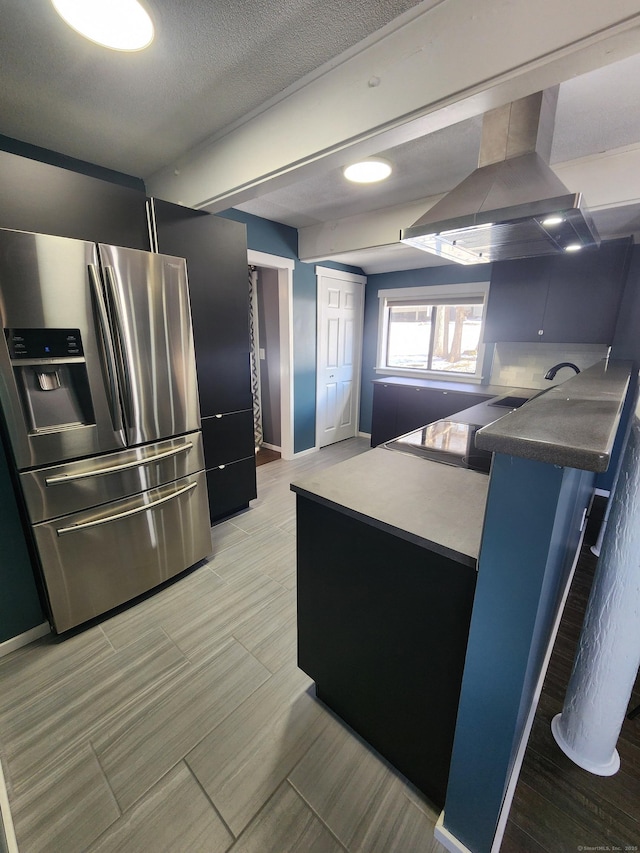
513	205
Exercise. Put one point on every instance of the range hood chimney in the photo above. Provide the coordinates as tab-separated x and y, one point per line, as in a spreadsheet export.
513	205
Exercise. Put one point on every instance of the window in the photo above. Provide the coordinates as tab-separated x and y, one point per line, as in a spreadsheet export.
432	330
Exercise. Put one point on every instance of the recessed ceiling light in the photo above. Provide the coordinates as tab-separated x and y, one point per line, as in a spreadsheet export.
368	171
117	24
552	220
573	247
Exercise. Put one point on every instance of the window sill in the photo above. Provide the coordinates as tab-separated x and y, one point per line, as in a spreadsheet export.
470	378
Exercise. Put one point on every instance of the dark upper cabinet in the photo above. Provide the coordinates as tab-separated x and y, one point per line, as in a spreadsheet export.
216	254
559	298
47	199
517	299
585	293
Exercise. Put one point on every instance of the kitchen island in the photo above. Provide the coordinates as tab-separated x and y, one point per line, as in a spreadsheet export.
388	547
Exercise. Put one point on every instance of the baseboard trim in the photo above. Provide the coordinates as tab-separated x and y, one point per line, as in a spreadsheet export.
305	452
275	447
364	434
24	639
448	841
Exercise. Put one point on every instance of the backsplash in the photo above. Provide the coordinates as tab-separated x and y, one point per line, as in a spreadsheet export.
524	365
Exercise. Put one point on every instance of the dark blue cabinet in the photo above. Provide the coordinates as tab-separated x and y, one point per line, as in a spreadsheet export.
558	299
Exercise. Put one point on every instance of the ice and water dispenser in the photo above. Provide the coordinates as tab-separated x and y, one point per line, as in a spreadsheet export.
51	376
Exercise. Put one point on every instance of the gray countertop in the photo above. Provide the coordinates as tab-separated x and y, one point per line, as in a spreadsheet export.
439	507
572	425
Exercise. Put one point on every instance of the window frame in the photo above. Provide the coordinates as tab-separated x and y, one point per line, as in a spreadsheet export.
431	294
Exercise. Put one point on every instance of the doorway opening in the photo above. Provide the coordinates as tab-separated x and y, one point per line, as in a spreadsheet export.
273	306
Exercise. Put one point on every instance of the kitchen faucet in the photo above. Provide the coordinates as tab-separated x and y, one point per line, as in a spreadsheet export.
551	373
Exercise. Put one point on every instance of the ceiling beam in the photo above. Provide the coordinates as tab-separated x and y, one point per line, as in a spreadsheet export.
436	65
606	180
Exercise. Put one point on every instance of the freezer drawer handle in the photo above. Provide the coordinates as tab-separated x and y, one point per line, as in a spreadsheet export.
127	513
135	463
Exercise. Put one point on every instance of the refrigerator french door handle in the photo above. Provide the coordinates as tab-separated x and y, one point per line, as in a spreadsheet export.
119	515
107	344
112	469
121	333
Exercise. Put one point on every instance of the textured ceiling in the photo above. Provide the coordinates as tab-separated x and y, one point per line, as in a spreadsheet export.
596	112
210	64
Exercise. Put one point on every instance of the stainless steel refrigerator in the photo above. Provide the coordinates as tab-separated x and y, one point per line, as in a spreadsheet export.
100	400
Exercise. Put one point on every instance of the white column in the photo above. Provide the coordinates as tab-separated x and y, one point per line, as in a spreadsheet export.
608	655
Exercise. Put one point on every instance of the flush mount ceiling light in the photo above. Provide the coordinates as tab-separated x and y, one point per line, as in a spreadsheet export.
117	24
368	171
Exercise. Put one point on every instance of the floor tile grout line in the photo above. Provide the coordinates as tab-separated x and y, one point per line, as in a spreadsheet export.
6	823
315	814
213	805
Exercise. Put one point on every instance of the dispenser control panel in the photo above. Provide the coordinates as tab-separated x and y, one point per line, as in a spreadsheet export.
44	343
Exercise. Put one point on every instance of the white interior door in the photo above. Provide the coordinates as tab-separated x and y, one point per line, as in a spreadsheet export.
340	319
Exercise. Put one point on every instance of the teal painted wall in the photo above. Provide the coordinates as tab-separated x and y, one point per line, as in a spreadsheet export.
276	239
19	603
449	274
530	536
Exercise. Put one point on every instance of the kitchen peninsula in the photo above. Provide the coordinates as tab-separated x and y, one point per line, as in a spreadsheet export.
428	593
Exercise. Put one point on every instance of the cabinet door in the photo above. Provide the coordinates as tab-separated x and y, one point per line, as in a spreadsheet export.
419	406
384	414
227	437
231	487
517	298
584	295
216	253
51	200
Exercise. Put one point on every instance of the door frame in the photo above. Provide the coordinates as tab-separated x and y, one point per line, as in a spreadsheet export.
352	278
284	267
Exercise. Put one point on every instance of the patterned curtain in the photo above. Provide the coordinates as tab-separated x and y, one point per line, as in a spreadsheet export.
255	363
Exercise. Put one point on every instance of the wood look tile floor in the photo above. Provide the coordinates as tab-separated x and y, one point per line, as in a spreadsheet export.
182	723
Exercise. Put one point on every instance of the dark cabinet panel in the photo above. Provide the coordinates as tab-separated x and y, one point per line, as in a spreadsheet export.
227	437
398	409
386	650
558	299
517	299
47	199
231	487
384	416
216	254
584	295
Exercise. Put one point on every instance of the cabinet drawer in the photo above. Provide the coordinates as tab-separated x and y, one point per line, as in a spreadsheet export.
227	437
231	487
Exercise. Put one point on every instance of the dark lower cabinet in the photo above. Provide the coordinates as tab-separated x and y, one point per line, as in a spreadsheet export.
216	254
382	630
231	487
401	408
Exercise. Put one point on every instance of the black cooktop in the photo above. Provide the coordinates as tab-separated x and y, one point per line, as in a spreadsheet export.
445	441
